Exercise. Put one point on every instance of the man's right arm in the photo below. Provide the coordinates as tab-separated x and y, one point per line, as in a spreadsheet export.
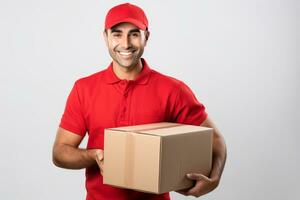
66	153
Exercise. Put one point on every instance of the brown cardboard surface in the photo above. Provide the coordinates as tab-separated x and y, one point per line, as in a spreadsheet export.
145	126
156	157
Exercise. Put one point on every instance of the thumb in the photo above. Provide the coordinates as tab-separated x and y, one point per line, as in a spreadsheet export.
197	177
99	155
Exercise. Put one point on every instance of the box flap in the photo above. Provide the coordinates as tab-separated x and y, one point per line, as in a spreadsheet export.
174	130
161	129
145	127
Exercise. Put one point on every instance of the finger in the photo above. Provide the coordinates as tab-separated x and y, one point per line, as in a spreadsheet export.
100	165
98	161
193	191
99	155
201	186
101	170
197	177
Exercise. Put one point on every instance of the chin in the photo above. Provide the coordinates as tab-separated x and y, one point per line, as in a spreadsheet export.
129	65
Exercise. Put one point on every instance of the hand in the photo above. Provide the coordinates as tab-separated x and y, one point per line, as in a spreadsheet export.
99	157
202	186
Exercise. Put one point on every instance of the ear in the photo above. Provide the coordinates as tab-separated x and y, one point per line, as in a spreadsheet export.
147	35
105	37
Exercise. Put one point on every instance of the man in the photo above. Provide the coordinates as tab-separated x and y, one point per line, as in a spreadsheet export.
128	92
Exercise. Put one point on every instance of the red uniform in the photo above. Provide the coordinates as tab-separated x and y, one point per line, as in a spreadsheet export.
102	101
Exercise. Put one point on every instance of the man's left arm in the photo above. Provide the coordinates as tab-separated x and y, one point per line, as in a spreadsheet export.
204	184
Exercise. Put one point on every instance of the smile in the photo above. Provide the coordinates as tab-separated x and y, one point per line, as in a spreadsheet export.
125	53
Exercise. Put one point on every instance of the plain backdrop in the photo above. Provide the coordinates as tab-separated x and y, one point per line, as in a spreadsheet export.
240	57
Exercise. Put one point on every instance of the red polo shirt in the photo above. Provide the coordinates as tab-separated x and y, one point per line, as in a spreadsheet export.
102	100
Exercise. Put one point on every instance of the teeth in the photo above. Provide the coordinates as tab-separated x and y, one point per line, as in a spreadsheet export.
125	53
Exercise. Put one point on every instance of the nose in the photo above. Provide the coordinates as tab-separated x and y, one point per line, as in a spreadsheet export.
125	43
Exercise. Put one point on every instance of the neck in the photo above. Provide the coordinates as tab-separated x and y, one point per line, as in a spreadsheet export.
127	73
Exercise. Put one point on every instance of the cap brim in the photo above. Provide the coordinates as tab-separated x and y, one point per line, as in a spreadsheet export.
129	20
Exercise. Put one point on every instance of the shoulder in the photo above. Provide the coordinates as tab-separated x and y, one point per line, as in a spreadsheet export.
166	80
171	85
91	80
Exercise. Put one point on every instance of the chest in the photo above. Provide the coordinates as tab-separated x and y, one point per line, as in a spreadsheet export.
115	107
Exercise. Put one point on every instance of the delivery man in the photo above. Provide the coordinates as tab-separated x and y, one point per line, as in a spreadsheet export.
128	92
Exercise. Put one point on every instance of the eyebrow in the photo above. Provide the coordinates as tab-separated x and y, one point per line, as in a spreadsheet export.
115	30
134	30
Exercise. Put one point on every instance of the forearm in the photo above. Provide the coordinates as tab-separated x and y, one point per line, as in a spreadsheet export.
67	156
219	158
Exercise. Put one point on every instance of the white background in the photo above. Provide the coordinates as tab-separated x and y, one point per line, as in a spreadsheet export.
240	57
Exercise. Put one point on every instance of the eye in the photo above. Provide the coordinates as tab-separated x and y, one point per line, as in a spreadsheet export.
116	35
135	34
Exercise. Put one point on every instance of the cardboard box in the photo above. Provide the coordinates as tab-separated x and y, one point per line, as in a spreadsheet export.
156	157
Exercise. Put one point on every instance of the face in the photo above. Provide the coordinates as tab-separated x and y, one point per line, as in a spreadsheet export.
126	44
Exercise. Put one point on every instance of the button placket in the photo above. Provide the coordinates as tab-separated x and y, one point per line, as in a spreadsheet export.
123	115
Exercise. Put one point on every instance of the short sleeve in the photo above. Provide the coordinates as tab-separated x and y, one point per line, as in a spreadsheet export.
72	118
187	109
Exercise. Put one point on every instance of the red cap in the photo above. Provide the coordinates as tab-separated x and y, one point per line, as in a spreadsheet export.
126	13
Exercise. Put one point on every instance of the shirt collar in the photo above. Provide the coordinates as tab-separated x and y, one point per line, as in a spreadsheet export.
142	78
